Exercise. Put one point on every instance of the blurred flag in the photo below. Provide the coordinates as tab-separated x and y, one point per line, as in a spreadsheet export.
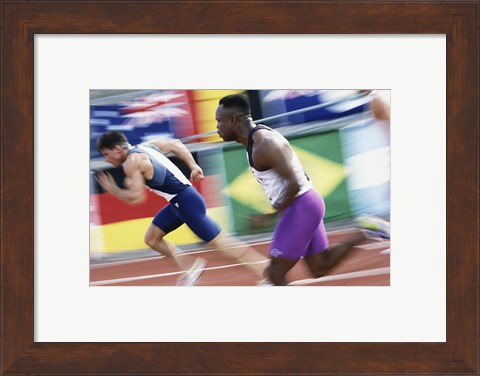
159	114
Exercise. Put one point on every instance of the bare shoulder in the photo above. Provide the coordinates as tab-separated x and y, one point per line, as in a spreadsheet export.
268	141
268	149
132	161
136	162
265	138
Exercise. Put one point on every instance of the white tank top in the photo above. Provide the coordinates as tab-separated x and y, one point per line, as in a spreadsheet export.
272	183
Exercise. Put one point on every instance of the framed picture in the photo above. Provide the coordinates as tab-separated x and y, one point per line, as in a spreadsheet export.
21	234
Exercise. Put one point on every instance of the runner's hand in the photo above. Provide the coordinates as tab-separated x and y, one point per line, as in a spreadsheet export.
196	174
261	220
106	181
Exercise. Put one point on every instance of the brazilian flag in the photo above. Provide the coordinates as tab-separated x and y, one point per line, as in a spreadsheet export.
321	157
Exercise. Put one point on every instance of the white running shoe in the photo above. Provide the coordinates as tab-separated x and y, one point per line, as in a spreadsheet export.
190	278
264	282
374	227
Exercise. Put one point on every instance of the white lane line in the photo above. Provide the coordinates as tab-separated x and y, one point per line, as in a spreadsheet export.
360	274
374	245
139	278
363	273
342	231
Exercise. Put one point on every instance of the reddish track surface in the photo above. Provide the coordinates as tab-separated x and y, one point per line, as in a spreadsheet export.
366	265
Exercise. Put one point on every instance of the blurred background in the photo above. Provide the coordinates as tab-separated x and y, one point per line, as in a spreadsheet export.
342	138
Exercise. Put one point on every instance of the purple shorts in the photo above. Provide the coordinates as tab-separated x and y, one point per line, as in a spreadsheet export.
300	230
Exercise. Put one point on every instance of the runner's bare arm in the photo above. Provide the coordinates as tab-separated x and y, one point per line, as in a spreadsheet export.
380	109
134	191
271	154
176	147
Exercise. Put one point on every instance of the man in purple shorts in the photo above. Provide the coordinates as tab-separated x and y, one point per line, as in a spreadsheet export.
300	231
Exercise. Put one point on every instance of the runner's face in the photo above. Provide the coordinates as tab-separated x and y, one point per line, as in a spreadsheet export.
113	156
225	123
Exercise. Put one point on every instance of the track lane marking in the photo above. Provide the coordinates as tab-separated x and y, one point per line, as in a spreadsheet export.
143	277
374	245
300	282
360	274
368	247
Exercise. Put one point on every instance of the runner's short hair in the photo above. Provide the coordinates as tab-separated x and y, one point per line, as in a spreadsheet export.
110	139
236	101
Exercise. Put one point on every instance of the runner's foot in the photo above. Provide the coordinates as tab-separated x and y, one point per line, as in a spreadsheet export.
190	278
374	227
264	282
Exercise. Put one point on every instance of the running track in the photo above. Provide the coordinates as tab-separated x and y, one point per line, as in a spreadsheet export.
367	265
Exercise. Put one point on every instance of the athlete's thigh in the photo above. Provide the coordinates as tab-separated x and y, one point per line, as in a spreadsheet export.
167	220
193	211
296	226
292	235
319	241
316	255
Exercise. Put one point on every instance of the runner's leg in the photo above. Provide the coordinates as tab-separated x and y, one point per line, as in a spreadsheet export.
165	221
320	260
293	233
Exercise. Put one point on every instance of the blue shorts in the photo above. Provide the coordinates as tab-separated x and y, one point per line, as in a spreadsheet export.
187	207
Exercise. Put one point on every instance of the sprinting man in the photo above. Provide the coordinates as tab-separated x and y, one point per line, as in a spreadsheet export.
300	231
147	164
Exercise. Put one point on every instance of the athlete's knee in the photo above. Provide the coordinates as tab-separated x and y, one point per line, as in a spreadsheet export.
318	264
317	273
149	240
152	239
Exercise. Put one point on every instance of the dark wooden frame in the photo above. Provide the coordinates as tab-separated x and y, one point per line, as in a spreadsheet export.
21	20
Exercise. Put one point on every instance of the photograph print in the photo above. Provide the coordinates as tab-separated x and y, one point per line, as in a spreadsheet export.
240	187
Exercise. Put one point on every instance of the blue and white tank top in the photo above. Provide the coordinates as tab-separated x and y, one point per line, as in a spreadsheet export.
272	183
167	180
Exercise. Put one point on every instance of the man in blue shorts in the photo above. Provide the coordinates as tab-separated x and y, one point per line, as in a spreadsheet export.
147	164
300	231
